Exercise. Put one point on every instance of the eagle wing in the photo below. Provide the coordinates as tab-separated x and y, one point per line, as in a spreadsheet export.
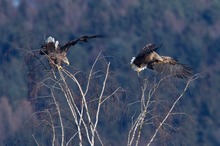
49	47
170	66
144	54
148	49
85	38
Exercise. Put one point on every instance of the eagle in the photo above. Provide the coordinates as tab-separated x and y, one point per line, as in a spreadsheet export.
56	54
148	58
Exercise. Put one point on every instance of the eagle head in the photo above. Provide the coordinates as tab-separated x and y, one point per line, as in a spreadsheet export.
65	60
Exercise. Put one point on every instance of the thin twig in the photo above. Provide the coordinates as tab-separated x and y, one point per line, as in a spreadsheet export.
35	140
172	107
53	128
60	118
99	103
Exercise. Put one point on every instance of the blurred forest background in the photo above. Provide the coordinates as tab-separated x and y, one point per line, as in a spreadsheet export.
189	31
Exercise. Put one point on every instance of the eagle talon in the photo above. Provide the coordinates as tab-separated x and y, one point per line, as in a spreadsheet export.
59	67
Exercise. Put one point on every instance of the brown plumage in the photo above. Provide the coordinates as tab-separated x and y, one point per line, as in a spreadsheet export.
148	58
56	55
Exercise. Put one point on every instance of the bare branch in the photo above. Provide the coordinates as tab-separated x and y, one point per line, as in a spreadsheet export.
60	118
100	101
53	128
35	140
196	76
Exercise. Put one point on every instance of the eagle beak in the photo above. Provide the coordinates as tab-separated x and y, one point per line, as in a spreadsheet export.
65	60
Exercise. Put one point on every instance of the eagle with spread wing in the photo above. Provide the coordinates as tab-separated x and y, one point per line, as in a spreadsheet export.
56	54
148	58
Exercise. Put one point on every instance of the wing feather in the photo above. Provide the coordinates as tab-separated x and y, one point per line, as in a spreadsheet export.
169	66
148	49
142	58
85	38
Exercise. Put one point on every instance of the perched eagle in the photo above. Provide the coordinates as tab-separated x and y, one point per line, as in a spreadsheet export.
148	58
56	54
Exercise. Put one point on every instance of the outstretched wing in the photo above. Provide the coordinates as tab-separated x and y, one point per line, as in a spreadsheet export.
81	39
170	66
140	60
148	49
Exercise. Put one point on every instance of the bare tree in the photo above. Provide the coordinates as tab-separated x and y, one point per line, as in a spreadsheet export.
78	97
85	105
145	103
